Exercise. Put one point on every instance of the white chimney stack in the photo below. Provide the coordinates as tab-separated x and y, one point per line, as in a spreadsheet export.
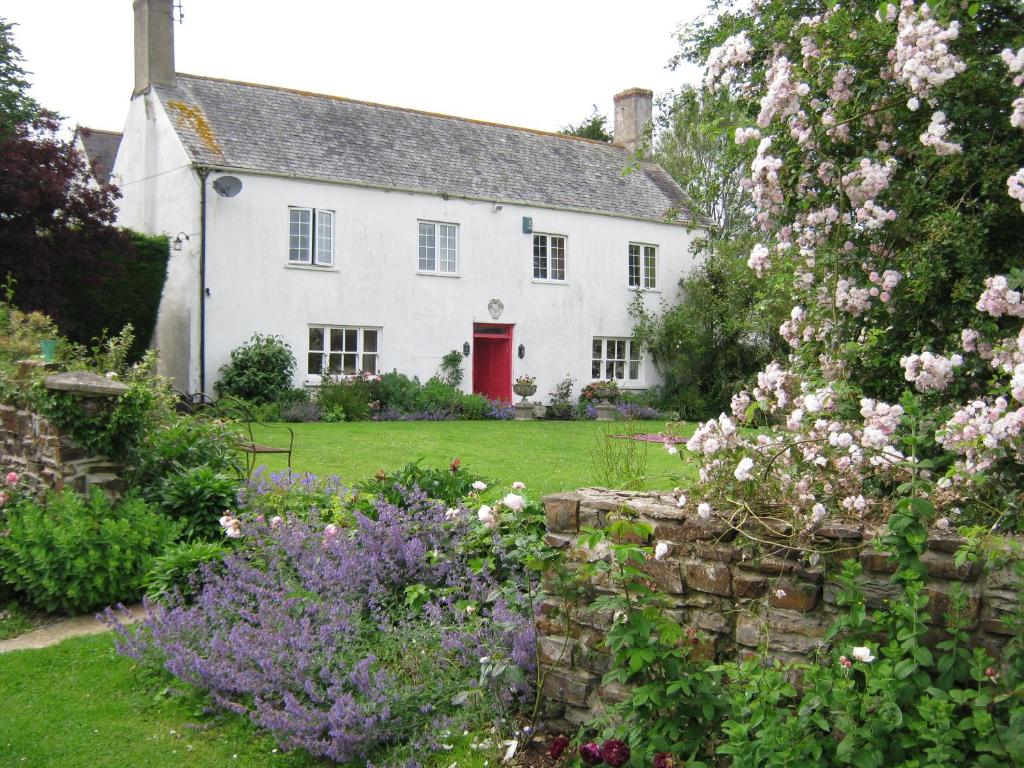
154	44
633	112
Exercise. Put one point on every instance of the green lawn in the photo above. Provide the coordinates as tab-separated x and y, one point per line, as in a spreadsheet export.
548	456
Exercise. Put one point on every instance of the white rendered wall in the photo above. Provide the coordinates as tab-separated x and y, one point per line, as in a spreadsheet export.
160	195
375	281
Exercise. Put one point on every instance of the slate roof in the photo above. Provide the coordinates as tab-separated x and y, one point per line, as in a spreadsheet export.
236	125
100	150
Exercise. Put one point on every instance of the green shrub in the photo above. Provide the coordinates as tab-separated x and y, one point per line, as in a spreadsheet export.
561	405
399	392
183	443
198	497
350	397
260	370
73	554
436	396
474	407
450	486
450	371
177	570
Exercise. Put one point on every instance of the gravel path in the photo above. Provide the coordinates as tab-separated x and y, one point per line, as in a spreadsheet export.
62	629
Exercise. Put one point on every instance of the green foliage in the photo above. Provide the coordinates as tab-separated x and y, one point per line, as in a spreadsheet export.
473	407
177	570
16	106
451	368
108	426
345	399
617	461
182	443
560	400
73	555
127	293
197	497
449	486
437	396
400	392
260	370
594	127
717	338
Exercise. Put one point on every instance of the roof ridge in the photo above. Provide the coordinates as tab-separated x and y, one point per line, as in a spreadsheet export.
300	92
98	130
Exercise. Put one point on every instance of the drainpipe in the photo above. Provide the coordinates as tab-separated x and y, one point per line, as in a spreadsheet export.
203	174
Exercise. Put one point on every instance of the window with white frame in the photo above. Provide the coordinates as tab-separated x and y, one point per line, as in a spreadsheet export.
548	257
311	236
643	266
438	247
342	350
617	359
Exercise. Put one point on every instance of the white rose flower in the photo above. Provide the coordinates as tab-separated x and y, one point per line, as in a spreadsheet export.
681	502
518	486
513	501
862	653
660	550
479	485
704	510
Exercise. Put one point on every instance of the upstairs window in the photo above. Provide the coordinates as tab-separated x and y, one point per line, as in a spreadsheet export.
342	350
438	247
549	257
309	244
643	266
616	359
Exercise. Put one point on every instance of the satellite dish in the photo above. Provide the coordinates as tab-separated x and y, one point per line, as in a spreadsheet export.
227	186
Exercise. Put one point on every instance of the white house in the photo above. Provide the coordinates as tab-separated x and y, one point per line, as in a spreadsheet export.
377	238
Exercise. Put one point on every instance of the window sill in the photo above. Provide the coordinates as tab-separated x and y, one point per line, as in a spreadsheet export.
644	290
436	274
549	282
311	267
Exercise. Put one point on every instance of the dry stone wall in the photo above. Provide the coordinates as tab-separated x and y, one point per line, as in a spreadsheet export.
740	597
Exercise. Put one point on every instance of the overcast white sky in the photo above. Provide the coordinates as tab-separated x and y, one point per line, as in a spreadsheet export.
529	63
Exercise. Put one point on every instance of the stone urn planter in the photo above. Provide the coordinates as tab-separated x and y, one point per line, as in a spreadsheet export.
524	390
607	393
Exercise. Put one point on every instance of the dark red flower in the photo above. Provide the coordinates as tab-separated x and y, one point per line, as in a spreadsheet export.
615	752
456	463
590	753
558	747
664	760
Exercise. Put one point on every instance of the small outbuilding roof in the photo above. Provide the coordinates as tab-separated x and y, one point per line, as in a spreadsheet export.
267	129
100	150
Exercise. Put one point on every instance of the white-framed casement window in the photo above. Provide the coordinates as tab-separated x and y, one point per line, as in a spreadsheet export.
617	359
338	350
311	236
643	266
438	247
549	257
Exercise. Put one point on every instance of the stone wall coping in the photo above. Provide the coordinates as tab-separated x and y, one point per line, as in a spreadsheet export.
85	383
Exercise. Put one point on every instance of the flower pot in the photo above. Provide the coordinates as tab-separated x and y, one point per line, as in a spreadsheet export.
524	390
606	394
48	348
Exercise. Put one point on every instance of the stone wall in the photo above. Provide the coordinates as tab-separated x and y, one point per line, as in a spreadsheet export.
44	457
739	597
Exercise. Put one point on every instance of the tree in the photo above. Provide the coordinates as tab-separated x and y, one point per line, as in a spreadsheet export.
591	128
55	220
724	329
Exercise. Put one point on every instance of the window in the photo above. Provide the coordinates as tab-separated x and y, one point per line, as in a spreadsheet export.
643	266
308	244
342	350
438	247
617	359
548	257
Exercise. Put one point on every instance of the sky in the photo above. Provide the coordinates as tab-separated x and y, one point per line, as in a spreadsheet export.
527	63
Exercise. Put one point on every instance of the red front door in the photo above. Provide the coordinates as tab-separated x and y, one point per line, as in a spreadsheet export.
492	361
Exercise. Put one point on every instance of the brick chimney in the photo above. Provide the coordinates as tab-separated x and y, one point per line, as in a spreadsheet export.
633	111
154	44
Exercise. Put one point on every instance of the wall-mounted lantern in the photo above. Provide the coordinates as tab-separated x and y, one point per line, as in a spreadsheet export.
179	240
522	351
465	349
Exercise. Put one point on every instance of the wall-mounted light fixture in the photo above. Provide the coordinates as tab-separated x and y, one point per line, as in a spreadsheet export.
179	240
497	208
465	349
522	351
